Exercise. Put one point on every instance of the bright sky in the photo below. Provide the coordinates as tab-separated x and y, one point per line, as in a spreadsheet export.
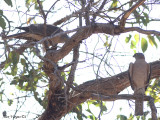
122	61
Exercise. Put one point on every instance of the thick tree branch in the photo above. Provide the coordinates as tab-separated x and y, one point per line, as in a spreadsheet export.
87	31
115	84
82	33
105	86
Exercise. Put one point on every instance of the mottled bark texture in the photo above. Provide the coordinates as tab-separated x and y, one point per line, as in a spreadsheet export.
61	103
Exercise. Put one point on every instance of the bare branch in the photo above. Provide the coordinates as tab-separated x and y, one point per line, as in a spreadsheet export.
87	31
97	12
41	10
147	32
73	68
128	12
74	14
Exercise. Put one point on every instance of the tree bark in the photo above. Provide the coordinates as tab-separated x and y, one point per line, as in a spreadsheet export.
61	102
85	32
104	86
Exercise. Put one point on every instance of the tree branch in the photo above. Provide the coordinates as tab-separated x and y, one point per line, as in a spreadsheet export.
153	109
147	32
128	12
87	31
118	97
105	86
73	68
127	97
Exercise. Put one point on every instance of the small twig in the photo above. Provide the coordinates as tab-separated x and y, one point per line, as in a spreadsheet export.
41	10
75	59
100	8
24	46
65	66
69	16
51	7
45	22
147	32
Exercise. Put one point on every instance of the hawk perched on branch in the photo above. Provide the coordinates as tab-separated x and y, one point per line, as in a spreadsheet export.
139	76
36	32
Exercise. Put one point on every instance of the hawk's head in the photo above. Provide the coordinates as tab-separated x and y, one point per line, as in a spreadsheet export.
139	56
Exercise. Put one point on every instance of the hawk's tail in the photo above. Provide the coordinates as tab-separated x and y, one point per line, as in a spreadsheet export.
139	102
139	107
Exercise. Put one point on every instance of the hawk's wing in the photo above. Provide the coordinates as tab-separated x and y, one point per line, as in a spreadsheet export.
130	75
149	75
39	29
36	32
24	35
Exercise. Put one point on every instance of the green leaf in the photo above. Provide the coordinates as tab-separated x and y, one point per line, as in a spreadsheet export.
138	117
14	82
144	44
7	65
133	44
128	39
14	70
131	117
145	19
136	37
137	16
10	102
103	108
2	23
88	110
9	2
106	37
130	3
15	58
158	37
145	6
114	4
106	44
1	12
152	40
96	103
23	61
121	117
1	94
